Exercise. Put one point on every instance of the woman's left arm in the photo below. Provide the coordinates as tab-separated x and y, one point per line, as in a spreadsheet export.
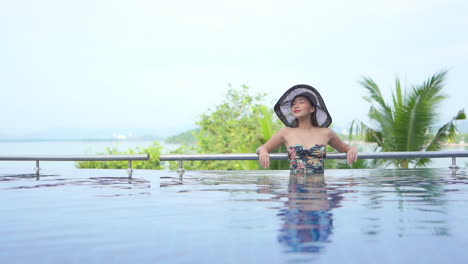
338	144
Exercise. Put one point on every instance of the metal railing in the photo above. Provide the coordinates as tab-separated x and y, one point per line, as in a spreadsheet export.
284	156
231	156
38	158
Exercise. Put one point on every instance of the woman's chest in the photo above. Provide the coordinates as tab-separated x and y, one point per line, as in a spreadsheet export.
306	139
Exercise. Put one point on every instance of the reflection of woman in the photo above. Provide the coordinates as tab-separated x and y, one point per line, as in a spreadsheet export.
307	219
306	134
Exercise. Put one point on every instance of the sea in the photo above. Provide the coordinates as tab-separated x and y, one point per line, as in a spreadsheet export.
40	147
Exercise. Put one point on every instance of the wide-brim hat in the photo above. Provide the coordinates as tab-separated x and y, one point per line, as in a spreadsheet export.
283	106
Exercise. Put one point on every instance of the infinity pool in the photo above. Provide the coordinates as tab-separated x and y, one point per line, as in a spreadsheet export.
347	216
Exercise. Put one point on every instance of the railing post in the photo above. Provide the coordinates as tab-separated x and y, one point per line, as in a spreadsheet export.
454	165
37	169
130	169
181	170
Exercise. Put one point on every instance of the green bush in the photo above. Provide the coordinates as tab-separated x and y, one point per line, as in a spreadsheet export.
240	124
154	163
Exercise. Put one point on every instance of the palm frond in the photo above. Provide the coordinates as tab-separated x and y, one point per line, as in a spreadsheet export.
358	129
266	122
436	80
369	134
398	96
405	125
416	116
352	130
375	96
380	112
447	131
374	90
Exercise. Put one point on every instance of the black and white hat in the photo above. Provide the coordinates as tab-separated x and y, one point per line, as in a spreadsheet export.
284	111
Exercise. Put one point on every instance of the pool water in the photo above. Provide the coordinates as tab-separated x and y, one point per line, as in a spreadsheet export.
346	216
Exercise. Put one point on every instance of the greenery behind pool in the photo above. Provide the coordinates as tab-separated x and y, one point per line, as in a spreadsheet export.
242	122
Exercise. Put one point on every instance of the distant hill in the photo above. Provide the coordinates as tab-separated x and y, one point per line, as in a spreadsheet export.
186	137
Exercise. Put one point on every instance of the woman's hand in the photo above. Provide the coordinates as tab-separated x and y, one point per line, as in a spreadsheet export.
263	157
352	155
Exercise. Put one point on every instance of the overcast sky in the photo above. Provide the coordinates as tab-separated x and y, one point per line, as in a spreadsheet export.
161	64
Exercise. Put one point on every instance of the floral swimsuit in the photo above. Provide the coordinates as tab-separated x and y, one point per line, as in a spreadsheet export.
307	160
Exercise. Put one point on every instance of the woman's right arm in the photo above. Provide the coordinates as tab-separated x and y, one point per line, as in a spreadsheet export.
274	143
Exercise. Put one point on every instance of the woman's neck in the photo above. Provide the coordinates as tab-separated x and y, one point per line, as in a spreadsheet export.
305	124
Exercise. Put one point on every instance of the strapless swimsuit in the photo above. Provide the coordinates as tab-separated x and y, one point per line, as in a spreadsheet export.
307	160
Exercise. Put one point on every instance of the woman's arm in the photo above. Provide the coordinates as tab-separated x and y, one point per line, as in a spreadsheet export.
338	144
274	143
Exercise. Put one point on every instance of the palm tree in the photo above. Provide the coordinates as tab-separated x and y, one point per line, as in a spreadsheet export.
407	123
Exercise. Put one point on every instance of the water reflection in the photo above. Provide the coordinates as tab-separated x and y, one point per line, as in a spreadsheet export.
306	215
419	197
110	186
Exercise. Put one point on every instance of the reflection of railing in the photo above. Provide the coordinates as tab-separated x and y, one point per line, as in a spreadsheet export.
130	158
283	156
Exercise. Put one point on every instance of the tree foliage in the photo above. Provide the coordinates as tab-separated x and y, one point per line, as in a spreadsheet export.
406	123
153	150
238	125
186	137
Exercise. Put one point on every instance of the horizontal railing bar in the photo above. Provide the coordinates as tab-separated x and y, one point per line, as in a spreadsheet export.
74	157
233	156
284	156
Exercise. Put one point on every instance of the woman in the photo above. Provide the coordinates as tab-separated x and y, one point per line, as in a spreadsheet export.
306	135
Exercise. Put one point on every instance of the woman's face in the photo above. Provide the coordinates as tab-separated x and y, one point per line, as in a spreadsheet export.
301	107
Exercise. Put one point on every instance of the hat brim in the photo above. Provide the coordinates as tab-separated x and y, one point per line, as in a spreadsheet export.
283	106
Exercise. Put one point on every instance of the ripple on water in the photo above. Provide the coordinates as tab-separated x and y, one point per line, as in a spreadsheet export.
236	215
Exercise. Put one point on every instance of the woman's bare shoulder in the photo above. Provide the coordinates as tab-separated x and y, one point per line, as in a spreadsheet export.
287	130
327	131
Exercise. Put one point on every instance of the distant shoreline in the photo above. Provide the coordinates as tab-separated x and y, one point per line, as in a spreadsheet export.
80	140
354	142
